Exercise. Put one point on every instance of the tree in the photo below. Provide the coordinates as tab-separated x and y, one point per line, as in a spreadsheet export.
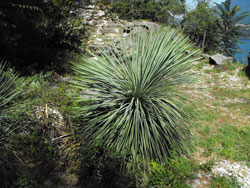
138	96
201	25
229	29
162	11
36	34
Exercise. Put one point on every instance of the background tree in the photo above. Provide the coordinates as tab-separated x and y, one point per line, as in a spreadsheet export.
201	25
162	11
229	29
36	34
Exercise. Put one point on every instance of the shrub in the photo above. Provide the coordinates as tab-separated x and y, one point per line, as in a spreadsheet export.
225	182
104	168
158	11
10	87
38	154
138	95
173	174
39	35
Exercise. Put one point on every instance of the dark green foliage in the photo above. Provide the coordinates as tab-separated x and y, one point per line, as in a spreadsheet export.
29	157
103	168
36	34
9	163
10	87
40	158
229	29
173	174
162	11
201	25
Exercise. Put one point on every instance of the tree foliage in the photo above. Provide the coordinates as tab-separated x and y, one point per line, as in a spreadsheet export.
201	25
34	34
138	101
162	11
229	29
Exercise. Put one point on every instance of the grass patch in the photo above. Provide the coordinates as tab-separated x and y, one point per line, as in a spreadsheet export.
228	142
223	182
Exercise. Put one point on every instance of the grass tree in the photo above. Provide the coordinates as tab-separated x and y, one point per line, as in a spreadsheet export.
137	95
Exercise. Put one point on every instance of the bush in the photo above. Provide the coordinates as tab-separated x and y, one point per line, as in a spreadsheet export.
137	99
224	182
174	173
10	87
104	168
38	35
40	158
157	11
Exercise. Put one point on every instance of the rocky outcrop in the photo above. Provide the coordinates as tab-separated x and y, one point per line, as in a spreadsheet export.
108	28
219	59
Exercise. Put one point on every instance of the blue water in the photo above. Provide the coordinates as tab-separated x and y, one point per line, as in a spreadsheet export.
242	56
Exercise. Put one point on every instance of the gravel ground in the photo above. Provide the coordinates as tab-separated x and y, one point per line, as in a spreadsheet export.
236	169
227	169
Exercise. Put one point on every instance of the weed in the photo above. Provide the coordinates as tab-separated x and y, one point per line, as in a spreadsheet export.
207	166
173	174
224	182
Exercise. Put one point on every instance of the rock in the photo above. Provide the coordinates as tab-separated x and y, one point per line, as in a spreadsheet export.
205	56
234	79
110	30
101	13
147	25
138	31
219	59
112	25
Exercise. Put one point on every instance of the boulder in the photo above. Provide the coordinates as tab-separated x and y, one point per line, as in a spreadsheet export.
110	30
205	56
219	59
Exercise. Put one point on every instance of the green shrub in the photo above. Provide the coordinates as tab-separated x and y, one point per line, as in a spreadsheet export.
136	95
173	174
40	158
39	35
104	168
224	182
157	11
10	88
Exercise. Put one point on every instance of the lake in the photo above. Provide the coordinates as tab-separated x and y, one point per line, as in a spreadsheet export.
246	49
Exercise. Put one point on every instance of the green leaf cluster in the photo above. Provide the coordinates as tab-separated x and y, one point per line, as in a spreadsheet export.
137	97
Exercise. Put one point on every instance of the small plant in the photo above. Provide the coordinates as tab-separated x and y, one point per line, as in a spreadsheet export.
224	182
207	166
230	66
173	174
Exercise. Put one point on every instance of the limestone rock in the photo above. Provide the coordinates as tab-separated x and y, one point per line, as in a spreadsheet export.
219	59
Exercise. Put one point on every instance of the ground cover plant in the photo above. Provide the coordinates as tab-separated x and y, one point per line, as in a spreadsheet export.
137	96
